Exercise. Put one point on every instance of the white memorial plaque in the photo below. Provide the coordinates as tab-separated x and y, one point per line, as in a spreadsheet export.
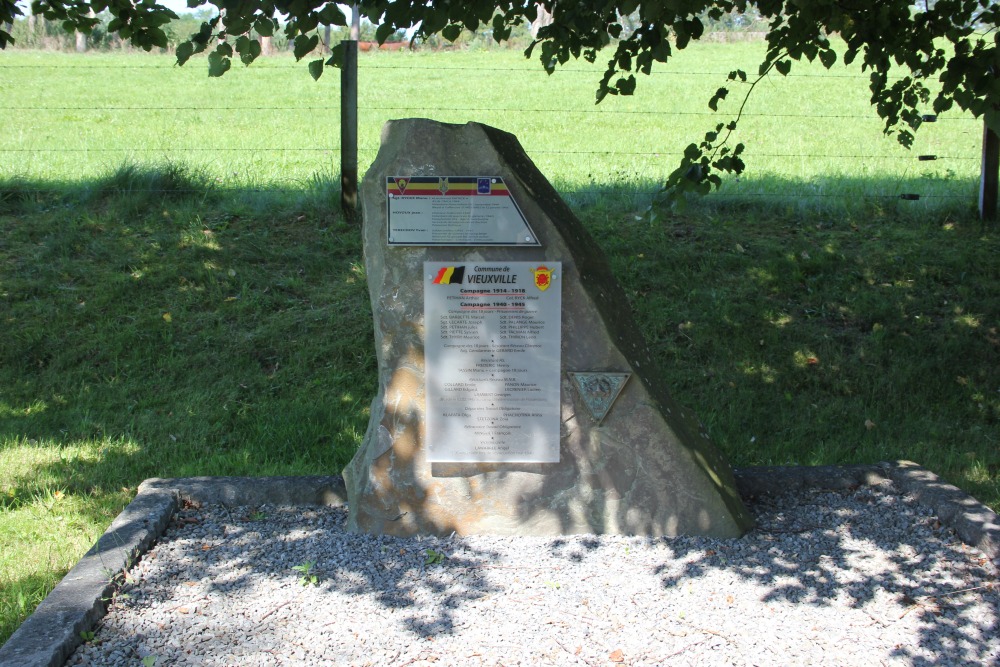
454	211
492	345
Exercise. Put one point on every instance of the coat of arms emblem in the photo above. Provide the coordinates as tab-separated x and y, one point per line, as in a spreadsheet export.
543	277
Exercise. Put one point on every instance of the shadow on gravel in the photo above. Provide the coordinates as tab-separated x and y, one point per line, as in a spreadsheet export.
883	554
876	553
401	574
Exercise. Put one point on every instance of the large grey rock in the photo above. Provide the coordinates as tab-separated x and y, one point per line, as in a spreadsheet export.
648	469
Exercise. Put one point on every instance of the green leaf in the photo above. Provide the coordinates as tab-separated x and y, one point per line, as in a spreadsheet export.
184	52
236	24
332	15
434	20
548	56
383	31
157	19
204	34
626	86
307	23
452	31
264	27
316	69
501	31
683	36
218	64
249	49
337	55
158	38
783	66
828	57
304	45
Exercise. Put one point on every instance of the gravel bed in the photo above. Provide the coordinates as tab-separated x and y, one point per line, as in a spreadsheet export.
866	577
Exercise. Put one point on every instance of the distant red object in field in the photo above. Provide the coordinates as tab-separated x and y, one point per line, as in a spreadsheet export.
388	46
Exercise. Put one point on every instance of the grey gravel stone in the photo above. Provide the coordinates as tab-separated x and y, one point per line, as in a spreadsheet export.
852	577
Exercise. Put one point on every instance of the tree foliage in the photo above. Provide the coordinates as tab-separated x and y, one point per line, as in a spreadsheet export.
920	58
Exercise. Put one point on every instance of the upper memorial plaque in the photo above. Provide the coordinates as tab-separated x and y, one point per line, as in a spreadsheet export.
454	211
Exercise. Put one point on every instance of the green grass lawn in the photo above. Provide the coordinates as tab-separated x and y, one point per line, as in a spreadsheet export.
168	312
160	337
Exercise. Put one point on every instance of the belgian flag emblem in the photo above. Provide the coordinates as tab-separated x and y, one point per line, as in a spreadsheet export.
450	275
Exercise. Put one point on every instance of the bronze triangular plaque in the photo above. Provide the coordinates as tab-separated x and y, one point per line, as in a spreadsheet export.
599	391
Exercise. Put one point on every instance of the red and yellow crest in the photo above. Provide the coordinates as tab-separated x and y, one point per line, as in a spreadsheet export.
543	277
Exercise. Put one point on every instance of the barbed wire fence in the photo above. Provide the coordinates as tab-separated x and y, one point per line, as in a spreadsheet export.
947	175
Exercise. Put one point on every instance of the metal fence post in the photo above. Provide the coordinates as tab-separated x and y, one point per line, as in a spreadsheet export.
988	176
349	130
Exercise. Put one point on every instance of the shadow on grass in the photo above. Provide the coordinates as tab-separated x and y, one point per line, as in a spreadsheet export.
156	325
930	196
816	338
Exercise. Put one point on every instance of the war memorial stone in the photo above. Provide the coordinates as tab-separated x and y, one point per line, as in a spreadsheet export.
516	394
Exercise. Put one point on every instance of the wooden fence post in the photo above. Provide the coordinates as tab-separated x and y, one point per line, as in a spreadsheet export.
988	176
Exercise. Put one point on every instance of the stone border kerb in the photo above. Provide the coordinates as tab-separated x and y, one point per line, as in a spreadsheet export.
50	635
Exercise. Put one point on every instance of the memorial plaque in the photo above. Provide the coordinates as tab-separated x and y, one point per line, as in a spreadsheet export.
454	211
599	391
492	346
494	375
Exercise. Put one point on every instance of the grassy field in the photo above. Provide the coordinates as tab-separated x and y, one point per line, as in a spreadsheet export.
179	294
813	140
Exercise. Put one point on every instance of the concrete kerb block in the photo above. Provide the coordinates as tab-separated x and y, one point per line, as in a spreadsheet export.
251	491
49	636
80	600
974	523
